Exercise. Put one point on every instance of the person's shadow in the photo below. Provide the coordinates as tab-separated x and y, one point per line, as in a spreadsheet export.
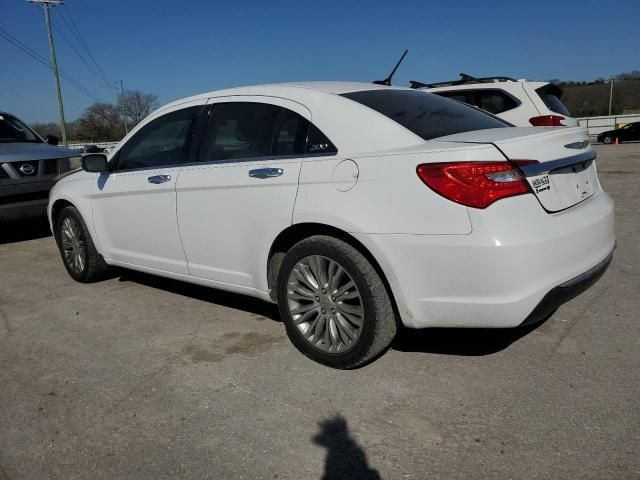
345	458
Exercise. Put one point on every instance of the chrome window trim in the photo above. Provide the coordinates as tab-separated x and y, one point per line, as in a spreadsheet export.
269	158
548	167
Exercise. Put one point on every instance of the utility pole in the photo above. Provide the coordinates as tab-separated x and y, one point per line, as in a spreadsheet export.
610	94
46	4
124	113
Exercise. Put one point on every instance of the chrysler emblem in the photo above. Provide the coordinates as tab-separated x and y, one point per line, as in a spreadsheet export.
27	169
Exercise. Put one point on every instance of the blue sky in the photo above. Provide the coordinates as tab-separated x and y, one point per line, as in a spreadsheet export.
175	49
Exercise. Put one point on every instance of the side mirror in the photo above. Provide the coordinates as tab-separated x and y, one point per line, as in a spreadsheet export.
52	140
94	162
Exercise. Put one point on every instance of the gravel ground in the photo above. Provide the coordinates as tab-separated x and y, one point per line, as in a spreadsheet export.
141	377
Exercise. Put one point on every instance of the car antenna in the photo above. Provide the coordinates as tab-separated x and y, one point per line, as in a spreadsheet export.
387	81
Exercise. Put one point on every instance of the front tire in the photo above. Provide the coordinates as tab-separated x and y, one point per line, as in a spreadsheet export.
334	304
79	254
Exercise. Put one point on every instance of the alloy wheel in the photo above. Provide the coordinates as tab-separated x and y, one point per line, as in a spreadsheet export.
325	304
73	245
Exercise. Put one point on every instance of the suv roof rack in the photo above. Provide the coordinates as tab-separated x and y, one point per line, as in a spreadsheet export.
464	79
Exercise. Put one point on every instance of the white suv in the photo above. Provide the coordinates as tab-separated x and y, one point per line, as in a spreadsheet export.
519	102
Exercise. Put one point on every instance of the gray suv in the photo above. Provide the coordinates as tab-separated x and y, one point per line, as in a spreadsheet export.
28	166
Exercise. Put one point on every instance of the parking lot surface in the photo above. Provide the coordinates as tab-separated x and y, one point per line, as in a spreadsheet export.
142	377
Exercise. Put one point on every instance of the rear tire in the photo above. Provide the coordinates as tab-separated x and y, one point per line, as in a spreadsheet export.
79	254
334	304
607	140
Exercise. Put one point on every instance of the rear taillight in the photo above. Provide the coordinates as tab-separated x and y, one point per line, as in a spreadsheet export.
475	184
547	121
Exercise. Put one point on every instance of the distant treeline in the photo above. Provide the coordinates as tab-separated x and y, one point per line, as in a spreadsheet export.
591	99
104	122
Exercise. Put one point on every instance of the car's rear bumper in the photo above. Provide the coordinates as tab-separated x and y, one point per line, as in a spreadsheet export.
516	258
565	292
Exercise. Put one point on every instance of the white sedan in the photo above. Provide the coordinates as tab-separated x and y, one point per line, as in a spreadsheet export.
355	207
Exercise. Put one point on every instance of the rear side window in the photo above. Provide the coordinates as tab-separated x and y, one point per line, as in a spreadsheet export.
491	100
297	136
317	142
427	115
292	134
495	101
239	130
550	95
459	96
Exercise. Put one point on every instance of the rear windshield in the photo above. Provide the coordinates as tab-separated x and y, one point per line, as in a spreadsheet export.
550	95
427	115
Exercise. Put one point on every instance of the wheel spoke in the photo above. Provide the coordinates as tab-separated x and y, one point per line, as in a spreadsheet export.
306	276
303	308
315	271
351	309
300	289
333	332
345	288
357	321
305	316
319	327
336	279
344	326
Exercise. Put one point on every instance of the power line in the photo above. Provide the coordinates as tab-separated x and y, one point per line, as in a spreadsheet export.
76	32
90	67
39	58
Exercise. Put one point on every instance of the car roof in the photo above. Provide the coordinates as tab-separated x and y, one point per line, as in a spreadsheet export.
328	87
339	118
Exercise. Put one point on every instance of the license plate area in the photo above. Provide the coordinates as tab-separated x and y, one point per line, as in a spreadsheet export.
564	187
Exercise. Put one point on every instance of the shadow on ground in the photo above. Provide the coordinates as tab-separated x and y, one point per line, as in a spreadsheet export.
459	341
13	232
444	341
205	294
345	458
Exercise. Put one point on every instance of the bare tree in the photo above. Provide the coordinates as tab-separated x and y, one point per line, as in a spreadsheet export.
137	105
100	122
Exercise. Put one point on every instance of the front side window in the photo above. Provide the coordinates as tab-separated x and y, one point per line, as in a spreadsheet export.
240	130
163	141
427	115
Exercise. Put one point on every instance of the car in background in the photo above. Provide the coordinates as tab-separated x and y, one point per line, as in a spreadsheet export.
630	131
355	207
519	102
91	149
28	166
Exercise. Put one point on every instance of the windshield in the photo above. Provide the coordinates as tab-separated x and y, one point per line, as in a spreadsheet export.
13	130
425	114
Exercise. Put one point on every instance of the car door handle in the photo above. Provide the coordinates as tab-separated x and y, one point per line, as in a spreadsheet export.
159	178
266	172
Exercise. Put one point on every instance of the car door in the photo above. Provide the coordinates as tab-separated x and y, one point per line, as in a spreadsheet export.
232	204
134	204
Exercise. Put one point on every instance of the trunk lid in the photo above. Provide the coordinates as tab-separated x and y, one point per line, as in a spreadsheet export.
565	174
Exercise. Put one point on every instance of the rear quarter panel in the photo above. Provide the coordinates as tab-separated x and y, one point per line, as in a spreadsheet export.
388	196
